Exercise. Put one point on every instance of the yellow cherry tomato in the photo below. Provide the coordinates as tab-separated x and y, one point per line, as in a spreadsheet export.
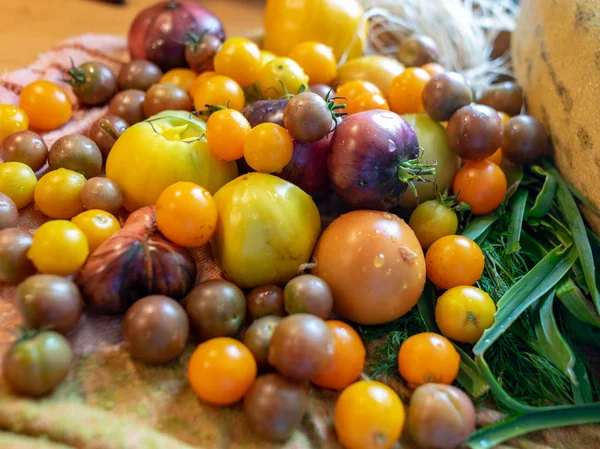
186	214
226	133
97	225
12	119
266	57
368	415
431	221
59	247
463	313
199	81
239	59
317	60
406	91
219	90
281	76
268	148
17	181
183	78
58	193
46	104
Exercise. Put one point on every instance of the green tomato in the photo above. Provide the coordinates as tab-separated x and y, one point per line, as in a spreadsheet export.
431	221
432	138
267	229
167	148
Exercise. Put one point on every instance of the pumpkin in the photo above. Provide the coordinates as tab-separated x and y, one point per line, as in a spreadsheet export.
556	58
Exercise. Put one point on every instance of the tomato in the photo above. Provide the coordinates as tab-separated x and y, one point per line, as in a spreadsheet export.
17	181
239	59
368	415
46	104
317	60
199	81
221	371
463	313
333	22
431	221
226	132
433	68
59	247
504	116
373	264
366	102
183	78
266	57
454	260
97	225
348	357
58	193
267	228
186	214
482	185
376	69
219	90
355	88
406	91
428	358
280	77
268	148
12	119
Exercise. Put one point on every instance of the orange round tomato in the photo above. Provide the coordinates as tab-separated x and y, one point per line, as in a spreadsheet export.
348	357
354	89
221	371
58	193
368	415
464	313
240	60
268	148
12	119
97	225
46	104
366	102
454	260
482	185
406	91
183	78
433	68
317	60
219	90
186	214
226	132
198	81
428	358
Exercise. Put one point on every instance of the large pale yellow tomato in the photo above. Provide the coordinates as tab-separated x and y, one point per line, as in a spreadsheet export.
167	148
267	228
336	23
377	69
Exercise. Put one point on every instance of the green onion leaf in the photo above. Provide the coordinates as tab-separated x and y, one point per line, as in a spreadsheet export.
582	389
514	176
478	226
571	296
517	212
544	199
577	194
469	376
426	306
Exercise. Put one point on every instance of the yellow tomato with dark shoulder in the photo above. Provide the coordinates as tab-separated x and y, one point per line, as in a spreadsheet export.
267	228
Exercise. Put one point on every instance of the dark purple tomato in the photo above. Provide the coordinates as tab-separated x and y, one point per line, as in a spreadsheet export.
444	94
475	132
93	83
274	407
78	153
155	329
139	74
308	294
165	97
217	308
50	302
307	117
200	52
258	338
301	347
9	214
417	51
265	300
265	111
525	140
503	97
129	105
26	147
103	194
308	167
14	264
105	131
368	159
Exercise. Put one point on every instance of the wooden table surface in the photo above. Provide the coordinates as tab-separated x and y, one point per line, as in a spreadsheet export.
32	26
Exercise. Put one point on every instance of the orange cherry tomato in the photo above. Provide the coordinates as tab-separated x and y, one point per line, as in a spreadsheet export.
97	225
317	60
482	185
433	68
454	260
268	148
199	80
428	358
348	357
406	91
183	78
219	90
366	102
186	214
226	132
354	89
221	371
46	104
239	59
368	415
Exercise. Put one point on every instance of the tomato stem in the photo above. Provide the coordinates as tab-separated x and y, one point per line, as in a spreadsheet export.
412	171
77	75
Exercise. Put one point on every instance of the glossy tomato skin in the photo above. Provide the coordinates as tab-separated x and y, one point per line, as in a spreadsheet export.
12	119
46	104
373	264
454	260
431	221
